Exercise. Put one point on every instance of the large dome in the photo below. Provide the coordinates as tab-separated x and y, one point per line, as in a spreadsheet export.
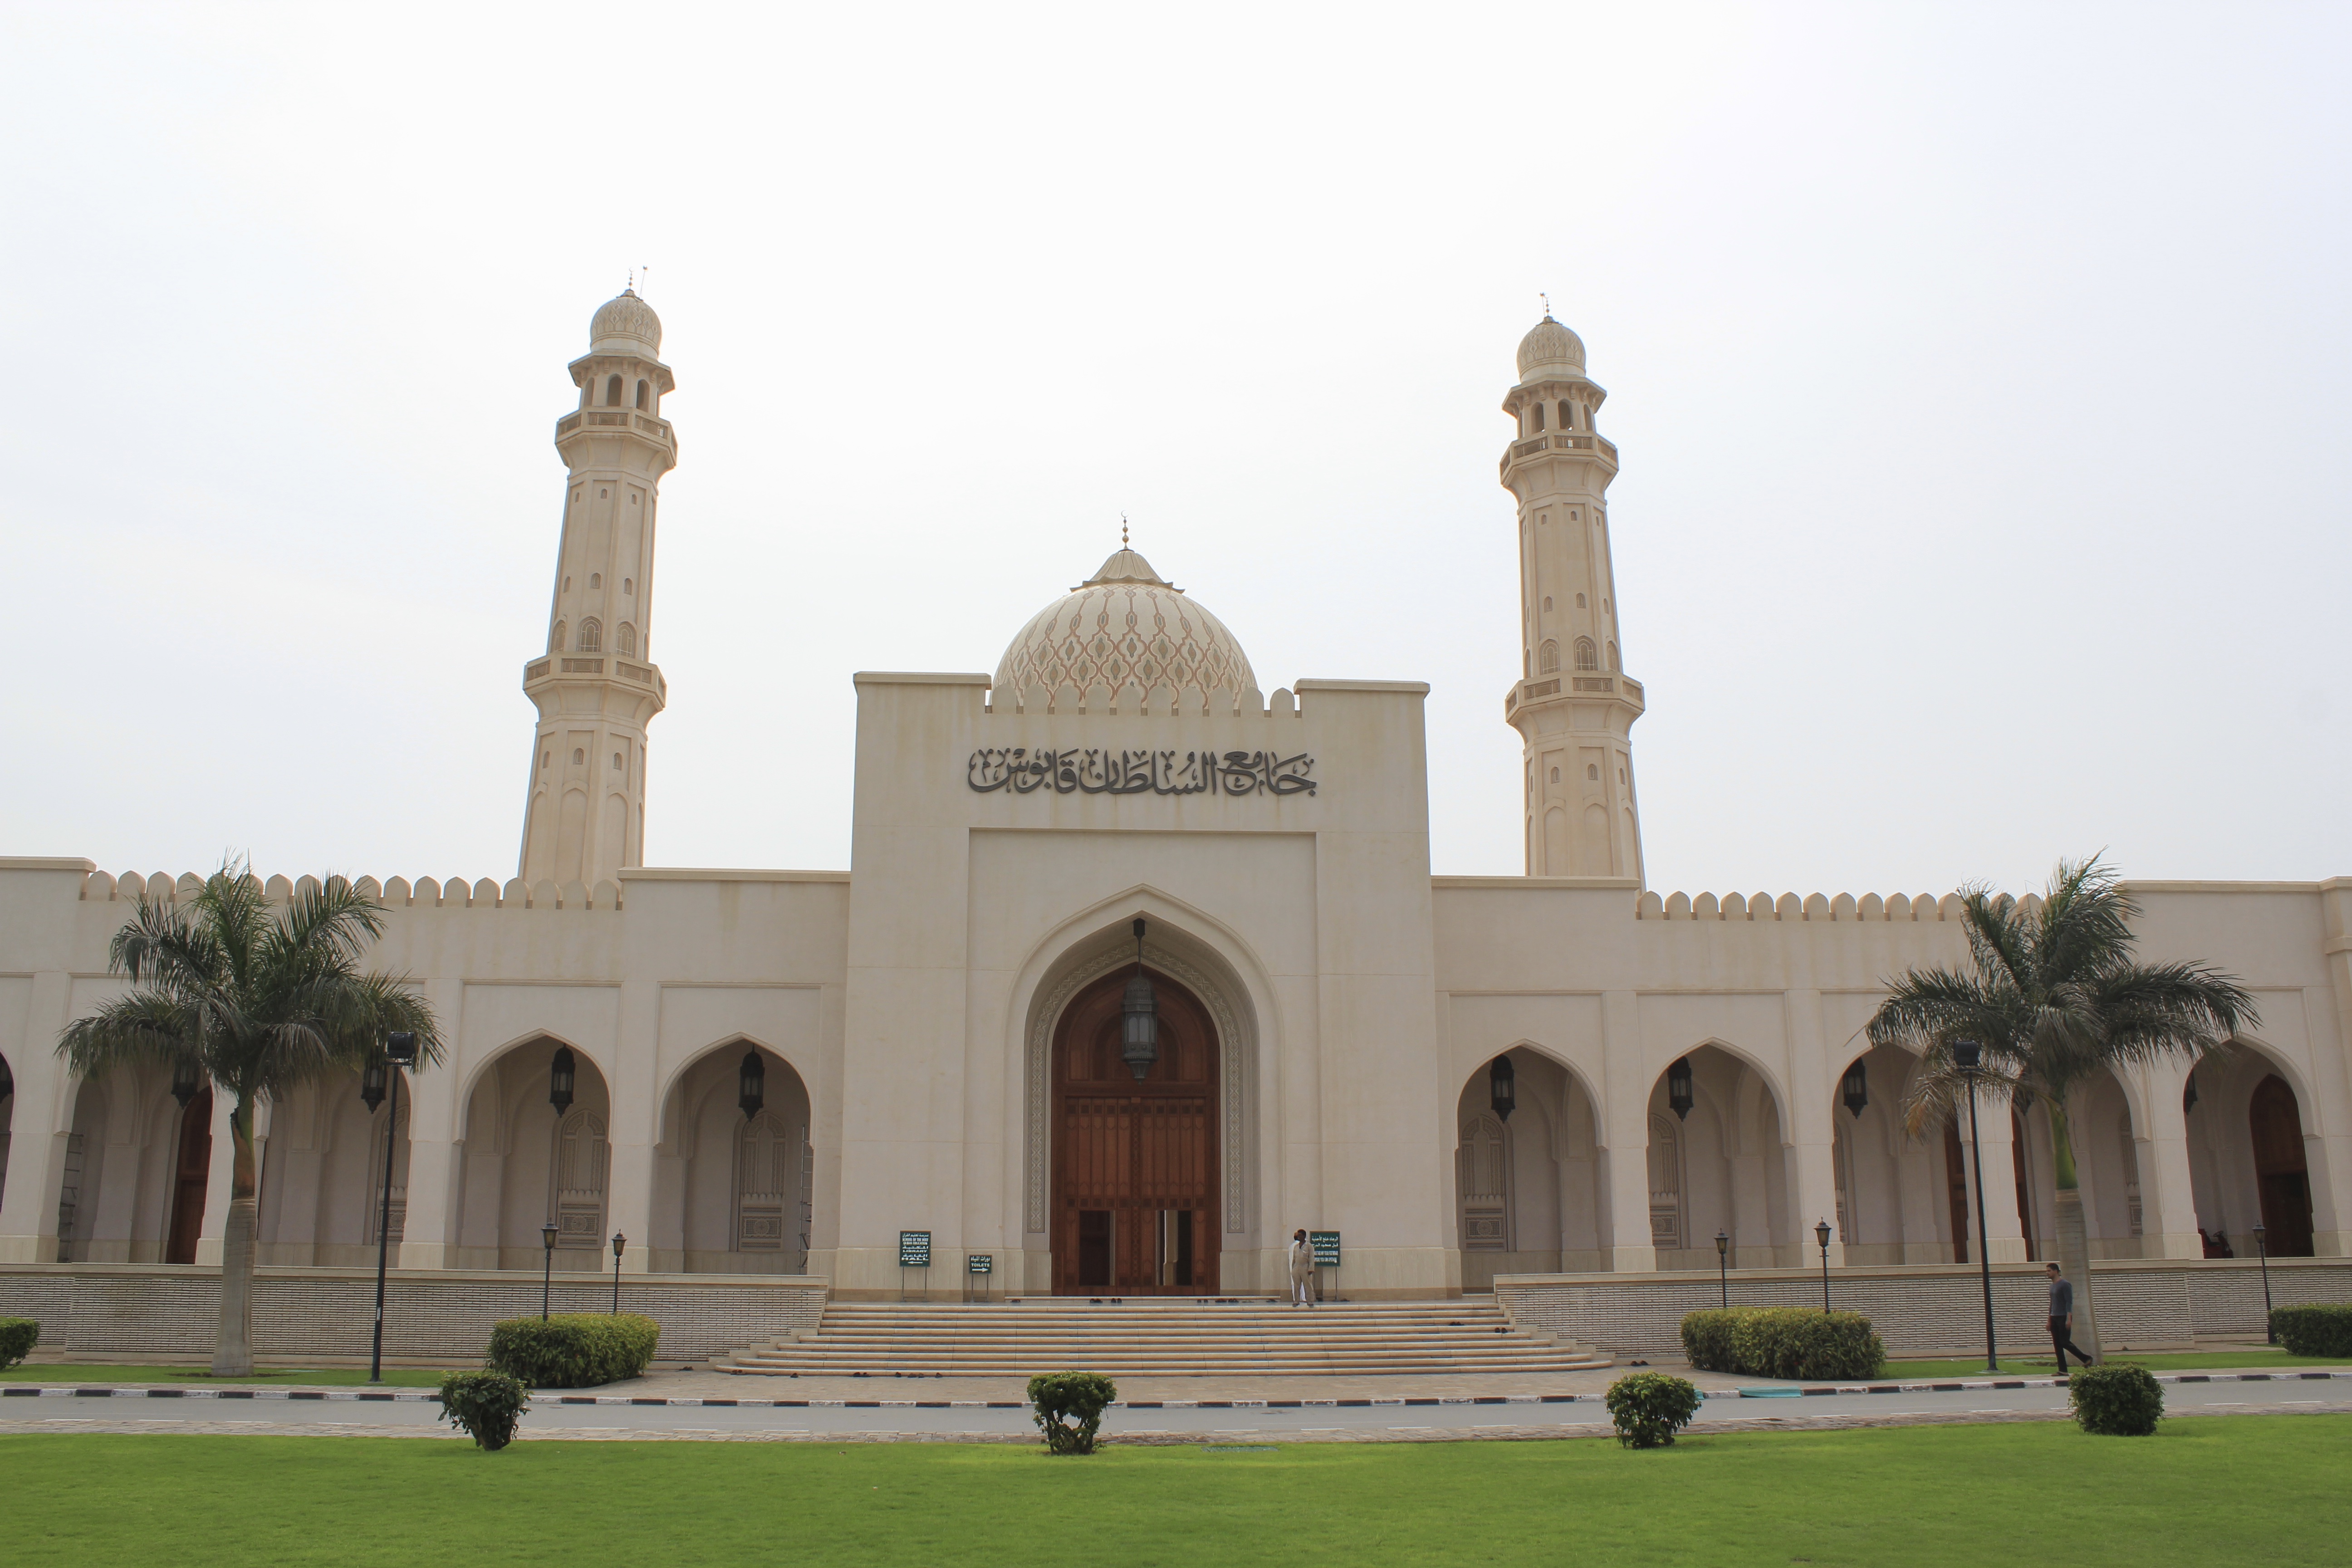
627	320
1125	625
1550	347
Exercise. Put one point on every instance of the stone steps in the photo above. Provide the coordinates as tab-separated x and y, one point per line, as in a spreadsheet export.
1165	1338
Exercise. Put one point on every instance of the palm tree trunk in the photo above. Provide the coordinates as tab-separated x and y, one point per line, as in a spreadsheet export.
233	1356
2074	1237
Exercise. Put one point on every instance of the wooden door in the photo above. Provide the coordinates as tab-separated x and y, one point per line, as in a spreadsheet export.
189	1175
2280	1168
1135	1161
1956	1189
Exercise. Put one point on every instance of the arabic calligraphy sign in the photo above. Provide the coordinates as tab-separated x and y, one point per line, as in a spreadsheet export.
1098	771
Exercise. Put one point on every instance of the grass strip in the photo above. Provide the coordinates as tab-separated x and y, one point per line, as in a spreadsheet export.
92	1374
2206	1489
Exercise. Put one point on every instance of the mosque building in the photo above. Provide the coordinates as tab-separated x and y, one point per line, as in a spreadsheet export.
1136	968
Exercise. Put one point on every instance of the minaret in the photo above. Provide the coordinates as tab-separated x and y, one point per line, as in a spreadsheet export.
597	687
1572	705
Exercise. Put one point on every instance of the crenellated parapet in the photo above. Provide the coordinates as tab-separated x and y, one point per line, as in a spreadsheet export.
1811	906
397	892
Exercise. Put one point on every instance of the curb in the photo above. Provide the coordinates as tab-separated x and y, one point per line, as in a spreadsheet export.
422	1395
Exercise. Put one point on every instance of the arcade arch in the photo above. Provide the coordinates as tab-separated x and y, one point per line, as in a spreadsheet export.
1528	1186
122	1181
1719	1160
2252	1156
733	1171
525	1161
323	1173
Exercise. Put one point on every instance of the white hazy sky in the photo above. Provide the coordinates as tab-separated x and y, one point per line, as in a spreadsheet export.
1980	373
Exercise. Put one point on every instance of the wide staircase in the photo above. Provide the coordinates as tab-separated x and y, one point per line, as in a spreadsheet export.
1165	1338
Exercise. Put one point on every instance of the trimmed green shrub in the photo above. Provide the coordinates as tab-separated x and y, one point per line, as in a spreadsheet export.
573	1350
485	1406
1707	1338
2313	1331
1068	1408
2116	1400
1650	1408
17	1338
1782	1341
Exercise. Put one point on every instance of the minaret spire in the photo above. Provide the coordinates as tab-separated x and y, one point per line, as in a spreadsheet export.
597	687
1573	705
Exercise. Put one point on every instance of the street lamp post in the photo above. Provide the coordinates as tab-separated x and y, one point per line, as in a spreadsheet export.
1966	1056
2262	1251
1821	1236
1723	1266
399	1051
619	1241
547	1274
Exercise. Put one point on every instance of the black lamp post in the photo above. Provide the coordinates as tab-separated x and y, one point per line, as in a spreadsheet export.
1140	1031
1723	1267
619	1241
399	1051
1503	1086
1966	1056
1678	1088
2262	1251
752	1084
1821	1235
547	1274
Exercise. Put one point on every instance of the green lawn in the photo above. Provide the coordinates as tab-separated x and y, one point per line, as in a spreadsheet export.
2253	1359
56	1374
2204	1490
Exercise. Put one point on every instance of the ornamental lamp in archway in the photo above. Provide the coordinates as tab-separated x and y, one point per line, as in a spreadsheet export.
1857	1085
752	1084
562	1073
372	1081
1138	1045
1503	1086
186	1079
1678	1088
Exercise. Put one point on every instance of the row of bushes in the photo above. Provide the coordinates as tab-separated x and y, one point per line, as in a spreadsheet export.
573	1350
2313	1331
1782	1341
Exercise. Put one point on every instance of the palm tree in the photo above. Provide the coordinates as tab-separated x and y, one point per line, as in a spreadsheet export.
2055	997
259	1002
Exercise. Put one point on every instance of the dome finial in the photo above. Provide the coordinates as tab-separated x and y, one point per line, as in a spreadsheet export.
1122	531
1547	305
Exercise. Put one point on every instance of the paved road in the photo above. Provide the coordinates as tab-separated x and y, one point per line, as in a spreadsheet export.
56	1409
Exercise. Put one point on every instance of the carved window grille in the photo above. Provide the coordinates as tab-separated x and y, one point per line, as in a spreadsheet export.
2131	1170
555	643
767	1184
624	639
592	636
375	1212
1549	664
1666	1183
581	1159
1586	657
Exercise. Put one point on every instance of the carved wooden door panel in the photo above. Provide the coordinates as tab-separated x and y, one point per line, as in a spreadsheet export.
1135	1160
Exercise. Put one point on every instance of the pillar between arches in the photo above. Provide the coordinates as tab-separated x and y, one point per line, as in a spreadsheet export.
1813	1165
40	1125
1627	1134
220	1175
2168	1200
2006	1242
636	1126
433	1147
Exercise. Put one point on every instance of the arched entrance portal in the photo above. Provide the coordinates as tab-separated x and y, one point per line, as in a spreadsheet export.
2282	1174
1135	1162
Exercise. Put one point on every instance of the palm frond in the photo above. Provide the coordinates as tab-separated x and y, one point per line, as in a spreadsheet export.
135	1029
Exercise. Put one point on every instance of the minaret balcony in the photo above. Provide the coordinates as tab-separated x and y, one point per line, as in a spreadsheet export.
1561	441
591	666
595	420
1574	686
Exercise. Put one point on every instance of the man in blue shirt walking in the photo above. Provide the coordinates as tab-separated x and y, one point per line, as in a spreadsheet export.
2062	1320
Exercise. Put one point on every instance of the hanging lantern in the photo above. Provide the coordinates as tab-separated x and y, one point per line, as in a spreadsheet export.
561	1073
186	1079
1139	1025
1678	1088
2188	1093
372	1082
752	1085
1503	1086
1857	1087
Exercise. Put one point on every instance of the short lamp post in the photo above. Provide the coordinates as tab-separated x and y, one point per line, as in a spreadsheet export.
619	1241
1723	1267
399	1051
546	1274
1821	1235
2262	1251
1967	1056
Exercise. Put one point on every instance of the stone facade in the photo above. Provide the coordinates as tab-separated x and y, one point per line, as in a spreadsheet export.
908	1020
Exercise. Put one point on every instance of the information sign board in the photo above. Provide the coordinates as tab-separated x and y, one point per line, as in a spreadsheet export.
914	1250
1326	1244
980	1263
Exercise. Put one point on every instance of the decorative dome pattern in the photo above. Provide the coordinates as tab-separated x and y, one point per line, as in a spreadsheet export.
1125	625
626	317
1550	347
